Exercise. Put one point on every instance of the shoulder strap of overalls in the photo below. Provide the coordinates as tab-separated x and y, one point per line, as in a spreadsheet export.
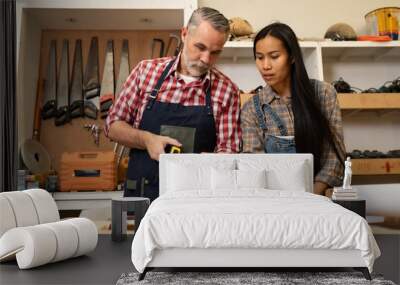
154	92
266	108
208	98
277	120
259	113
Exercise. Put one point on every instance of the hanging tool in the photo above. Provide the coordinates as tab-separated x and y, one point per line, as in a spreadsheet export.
107	84
62	115
173	52
122	76
49	108
37	116
76	95
124	68
91	86
35	157
154	44
33	153
94	131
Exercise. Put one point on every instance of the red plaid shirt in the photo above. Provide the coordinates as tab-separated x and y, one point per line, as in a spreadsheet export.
132	100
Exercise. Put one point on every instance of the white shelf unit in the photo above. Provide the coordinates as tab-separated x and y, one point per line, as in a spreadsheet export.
361	64
237	60
365	65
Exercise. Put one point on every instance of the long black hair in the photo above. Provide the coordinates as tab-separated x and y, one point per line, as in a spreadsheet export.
311	127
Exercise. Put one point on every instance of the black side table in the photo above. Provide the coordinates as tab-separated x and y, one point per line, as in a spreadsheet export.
119	208
357	206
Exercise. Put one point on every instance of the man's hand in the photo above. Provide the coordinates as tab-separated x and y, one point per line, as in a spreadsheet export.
125	134
155	144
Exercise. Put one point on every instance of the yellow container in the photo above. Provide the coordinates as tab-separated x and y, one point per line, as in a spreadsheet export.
384	22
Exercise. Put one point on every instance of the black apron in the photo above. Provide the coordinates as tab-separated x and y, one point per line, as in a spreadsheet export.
142	175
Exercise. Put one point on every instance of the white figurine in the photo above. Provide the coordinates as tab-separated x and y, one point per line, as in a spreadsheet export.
347	174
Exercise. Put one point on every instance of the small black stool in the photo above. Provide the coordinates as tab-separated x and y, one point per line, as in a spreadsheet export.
119	208
357	206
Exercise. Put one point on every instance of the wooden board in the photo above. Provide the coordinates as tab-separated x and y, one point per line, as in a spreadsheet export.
376	166
73	137
369	101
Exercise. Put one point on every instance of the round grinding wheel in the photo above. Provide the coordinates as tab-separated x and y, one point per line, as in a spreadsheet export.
35	157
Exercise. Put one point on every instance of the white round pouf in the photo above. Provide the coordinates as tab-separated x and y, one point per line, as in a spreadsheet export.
67	239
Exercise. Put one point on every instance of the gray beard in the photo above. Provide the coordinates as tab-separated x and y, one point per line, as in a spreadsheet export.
195	68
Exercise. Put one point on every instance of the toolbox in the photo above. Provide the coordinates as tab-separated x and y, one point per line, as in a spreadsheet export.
88	171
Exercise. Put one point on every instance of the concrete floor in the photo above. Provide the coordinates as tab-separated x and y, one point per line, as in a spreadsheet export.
110	259
102	266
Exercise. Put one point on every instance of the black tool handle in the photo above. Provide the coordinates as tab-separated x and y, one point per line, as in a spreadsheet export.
90	110
76	109
63	116
105	106
93	92
49	110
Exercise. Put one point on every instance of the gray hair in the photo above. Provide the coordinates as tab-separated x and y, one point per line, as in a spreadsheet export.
214	17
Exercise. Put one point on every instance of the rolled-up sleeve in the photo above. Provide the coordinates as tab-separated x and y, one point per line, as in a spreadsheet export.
228	125
125	107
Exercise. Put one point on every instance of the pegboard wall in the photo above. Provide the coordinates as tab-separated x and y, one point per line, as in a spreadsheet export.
73	136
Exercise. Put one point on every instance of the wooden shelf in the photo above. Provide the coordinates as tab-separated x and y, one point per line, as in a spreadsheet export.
369	101
375	166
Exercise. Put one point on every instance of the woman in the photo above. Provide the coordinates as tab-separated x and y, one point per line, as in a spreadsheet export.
292	113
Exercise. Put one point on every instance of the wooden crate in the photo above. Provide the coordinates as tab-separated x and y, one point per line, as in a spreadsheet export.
84	171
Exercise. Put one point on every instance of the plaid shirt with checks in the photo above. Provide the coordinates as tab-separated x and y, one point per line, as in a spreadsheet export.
253	142
132	100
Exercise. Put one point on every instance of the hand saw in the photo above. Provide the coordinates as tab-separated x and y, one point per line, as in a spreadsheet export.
49	108
171	51
154	48
123	74
91	86
107	84
76	95
124	68
62	115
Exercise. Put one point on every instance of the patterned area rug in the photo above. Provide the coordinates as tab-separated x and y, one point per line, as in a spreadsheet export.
230	278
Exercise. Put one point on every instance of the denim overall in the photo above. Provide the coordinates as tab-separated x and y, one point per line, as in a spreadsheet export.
142	177
273	144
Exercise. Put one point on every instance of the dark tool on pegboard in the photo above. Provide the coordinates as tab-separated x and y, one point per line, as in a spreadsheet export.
91	85
63	115
76	95
49	108
107	83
